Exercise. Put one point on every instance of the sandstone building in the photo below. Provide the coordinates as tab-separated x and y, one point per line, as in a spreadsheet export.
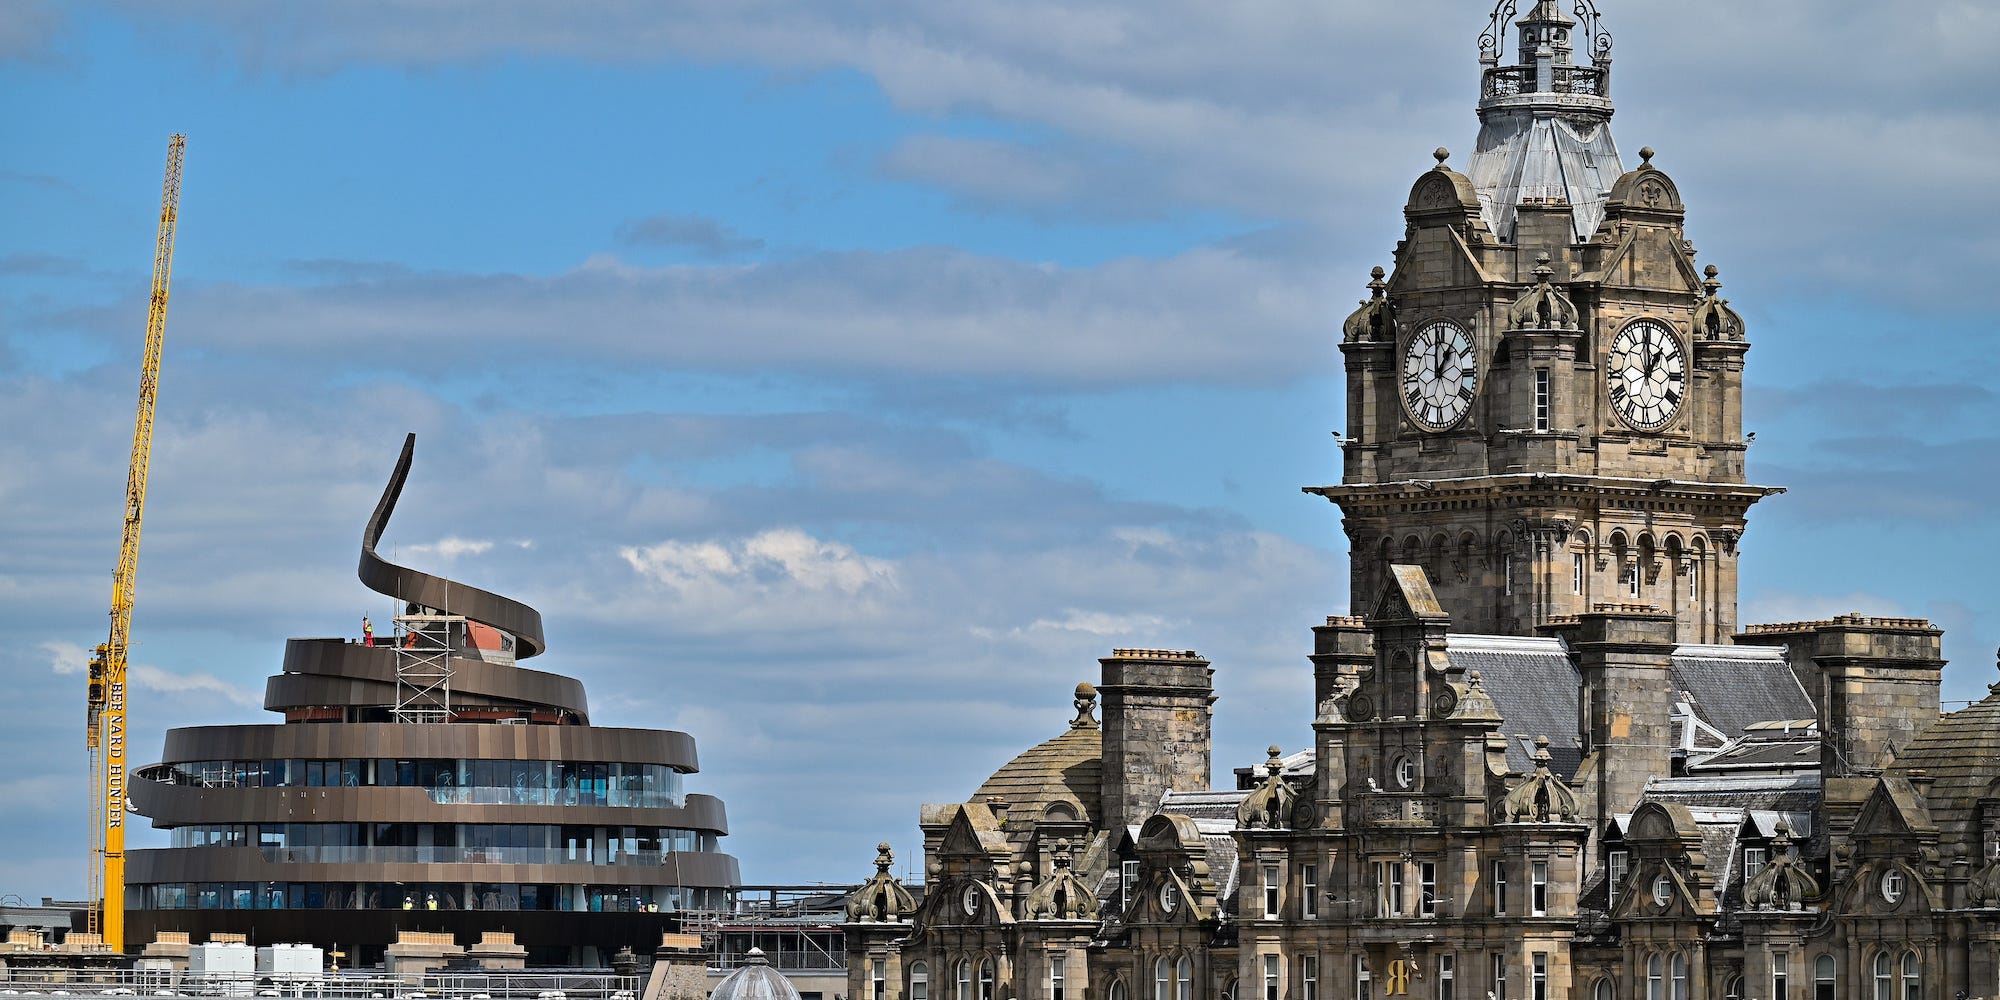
1547	761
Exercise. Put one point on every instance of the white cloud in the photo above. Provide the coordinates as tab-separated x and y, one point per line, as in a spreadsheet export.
1099	623
777	559
1211	314
452	547
66	657
153	678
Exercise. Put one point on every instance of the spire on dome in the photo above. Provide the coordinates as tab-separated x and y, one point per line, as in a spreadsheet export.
1545	136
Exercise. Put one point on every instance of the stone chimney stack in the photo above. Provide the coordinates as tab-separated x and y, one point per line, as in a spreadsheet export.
1874	681
1157	707
1626	656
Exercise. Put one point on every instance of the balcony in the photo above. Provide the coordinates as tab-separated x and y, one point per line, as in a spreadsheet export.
1515	81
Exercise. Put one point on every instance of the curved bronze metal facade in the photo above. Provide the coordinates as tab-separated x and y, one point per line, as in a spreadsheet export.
390	580
342	826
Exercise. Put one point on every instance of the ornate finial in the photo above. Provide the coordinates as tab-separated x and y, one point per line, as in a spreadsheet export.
1542	797
1783	839
1543	272
1086	699
881	897
1473	678
1063	896
1441	154
1375	320
1270	806
1713	319
1645	158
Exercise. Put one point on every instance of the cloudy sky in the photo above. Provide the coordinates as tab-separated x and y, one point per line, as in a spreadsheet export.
841	379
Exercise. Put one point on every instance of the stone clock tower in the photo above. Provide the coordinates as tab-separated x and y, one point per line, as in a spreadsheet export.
1544	399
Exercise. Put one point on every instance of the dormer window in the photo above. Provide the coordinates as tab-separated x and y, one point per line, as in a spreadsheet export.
1663	891
1754	860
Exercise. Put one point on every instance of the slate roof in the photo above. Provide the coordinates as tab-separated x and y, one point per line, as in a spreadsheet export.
1214	814
1760	800
1534	685
1735	686
1961	751
1786	793
1066	769
1756	754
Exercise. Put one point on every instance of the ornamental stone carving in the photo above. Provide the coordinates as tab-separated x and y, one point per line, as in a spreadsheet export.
881	898
1270	806
1784	884
1543	797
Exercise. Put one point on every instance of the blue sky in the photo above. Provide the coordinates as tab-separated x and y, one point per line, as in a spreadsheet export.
842	379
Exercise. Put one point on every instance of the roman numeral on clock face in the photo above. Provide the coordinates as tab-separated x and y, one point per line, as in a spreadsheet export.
1440	375
1646	376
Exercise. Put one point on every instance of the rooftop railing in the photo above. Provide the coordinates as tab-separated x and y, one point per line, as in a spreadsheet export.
1513	81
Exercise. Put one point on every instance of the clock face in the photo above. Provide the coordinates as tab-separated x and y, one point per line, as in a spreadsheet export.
970	900
1440	375
1170	898
1648	374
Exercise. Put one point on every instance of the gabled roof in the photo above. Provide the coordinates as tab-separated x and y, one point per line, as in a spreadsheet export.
1534	685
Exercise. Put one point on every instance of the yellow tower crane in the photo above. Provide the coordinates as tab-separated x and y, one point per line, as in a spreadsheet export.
106	729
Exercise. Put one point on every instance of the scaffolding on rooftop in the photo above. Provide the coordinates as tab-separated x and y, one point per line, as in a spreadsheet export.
425	644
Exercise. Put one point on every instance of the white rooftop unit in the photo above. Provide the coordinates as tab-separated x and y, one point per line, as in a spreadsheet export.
291	961
222	960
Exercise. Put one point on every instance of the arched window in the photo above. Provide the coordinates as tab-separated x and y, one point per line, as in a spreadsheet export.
1162	984
1885	979
1183	978
1680	972
1734	989
1603	990
920	981
1655	984
1579	563
1117	989
964	980
986	979
1913	980
1823	978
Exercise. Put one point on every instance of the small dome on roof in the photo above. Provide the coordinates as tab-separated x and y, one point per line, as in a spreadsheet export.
1065	773
755	980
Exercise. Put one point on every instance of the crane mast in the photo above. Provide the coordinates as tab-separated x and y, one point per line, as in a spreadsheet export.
105	732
